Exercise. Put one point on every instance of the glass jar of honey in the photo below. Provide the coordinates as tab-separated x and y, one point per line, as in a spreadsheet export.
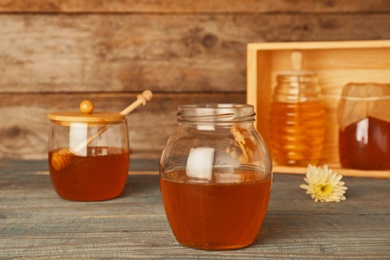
364	126
297	119
215	177
88	154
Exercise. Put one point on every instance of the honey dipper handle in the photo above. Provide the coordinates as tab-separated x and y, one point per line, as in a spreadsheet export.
141	99
297	60
89	140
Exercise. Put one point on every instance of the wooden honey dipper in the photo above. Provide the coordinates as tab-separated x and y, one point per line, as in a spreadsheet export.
62	158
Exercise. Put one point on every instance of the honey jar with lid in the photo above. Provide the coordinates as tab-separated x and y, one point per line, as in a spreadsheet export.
297	116
364	126
297	119
215	177
88	153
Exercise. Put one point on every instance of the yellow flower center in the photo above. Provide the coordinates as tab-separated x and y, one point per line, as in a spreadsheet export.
325	188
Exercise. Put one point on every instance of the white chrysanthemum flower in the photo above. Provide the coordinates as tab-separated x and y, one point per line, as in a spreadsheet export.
324	185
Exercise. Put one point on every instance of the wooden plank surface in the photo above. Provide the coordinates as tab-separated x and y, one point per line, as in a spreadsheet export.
190	6
36	223
180	53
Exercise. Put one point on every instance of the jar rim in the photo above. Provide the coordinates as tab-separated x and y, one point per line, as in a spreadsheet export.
216	112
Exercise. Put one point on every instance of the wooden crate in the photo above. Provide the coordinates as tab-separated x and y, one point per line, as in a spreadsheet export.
337	63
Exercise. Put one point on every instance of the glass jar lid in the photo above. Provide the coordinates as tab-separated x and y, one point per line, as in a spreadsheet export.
86	115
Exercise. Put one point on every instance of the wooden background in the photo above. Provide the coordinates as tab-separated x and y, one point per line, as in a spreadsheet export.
55	53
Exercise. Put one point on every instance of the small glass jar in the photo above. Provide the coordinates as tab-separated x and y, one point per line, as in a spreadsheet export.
88	154
297	119
364	122
215	177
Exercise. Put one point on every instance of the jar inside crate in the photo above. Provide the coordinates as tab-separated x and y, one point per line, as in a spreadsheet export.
297	119
364	122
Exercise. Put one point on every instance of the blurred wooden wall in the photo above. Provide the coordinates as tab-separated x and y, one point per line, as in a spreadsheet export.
54	53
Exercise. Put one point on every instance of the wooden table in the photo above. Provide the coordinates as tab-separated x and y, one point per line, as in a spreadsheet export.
36	223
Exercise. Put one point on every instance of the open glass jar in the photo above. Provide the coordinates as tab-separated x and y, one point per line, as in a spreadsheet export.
215	177
88	154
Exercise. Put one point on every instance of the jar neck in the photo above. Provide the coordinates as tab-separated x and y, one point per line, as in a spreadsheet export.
300	86
216	114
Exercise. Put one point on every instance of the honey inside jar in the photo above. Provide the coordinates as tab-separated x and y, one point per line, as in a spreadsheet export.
100	175
216	215
298	131
365	145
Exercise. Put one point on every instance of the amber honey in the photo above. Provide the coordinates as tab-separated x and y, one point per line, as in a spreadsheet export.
365	145
213	215
297	132
100	175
